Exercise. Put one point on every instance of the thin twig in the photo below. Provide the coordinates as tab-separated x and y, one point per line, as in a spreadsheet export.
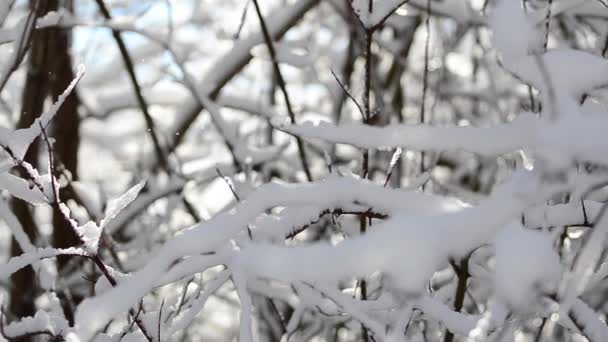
24	43
160	316
462	272
579	325
369	214
547	24
229	183
170	25
425	75
603	3
236	63
139	310
183	298
283	87
242	21
51	163
395	158
160	154
236	196
388	14
350	96
539	333
271	304
605	48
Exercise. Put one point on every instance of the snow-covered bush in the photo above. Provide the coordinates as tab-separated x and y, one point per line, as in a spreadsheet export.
337	170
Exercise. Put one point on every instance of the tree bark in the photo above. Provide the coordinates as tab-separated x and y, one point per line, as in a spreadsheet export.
49	73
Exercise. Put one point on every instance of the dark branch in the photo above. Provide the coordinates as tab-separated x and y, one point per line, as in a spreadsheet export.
283	87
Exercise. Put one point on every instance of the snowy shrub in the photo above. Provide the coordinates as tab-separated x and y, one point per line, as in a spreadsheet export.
386	170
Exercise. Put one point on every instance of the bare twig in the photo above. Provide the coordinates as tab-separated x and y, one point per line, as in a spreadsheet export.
425	75
229	183
547	24
580	325
139	310
541	328
51	163
462	272
24	43
603	3
350	96
160	154
236	196
242	21
283	87
369	214
182	301
160	316
394	160
388	14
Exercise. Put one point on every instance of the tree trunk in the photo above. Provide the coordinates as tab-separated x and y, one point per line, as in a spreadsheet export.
49	73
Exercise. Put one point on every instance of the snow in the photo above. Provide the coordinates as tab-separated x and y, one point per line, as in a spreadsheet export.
253	155
409	243
4	9
52	18
19	141
115	206
103	284
40	322
355	258
455	322
513	33
91	231
218	230
90	234
499	138
141	202
18	262
572	72
577	279
230	63
526	176
15	226
593	328
8	35
525	262
20	188
283	54
560	215
554	141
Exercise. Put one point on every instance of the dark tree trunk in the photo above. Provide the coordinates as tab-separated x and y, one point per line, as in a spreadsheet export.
49	73
65	128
